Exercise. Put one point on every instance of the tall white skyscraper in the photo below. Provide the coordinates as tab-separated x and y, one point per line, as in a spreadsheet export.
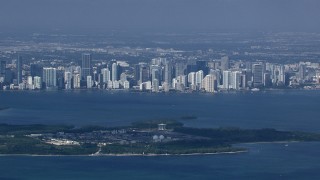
235	80
30	82
106	75
89	82
76	81
67	80
50	77
209	83
226	75
199	78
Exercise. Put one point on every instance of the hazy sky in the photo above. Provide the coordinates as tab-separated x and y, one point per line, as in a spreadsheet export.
159	15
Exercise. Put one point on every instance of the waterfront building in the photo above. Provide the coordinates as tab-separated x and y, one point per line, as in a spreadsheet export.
2	70
30	83
155	85
68	80
114	70
199	77
226	76
86	66
168	73
37	82
224	63
257	71
209	83
126	85
192	80
235	80
50	77
19	69
76	81
105	75
144	73
89	82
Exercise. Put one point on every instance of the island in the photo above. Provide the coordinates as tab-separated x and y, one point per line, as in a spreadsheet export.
161	137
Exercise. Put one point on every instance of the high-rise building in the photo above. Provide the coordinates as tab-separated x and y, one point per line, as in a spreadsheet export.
168	73
76	81
30	83
36	70
225	63
89	82
85	66
50	77
105	75
144	73
2	70
137	73
302	71
155	85
19	69
179	67
209	83
235	80
2	67
191	79
155	73
226	76
114	72
202	65
68	80
257	71
199	78
37	82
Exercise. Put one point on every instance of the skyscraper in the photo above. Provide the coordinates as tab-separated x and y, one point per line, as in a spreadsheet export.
224	63
179	67
199	78
76	81
209	83
68	80
37	82
2	67
192	80
144	73
302	71
35	70
50	77
114	72
257	70
19	69
105	75
2	70
226	76
89	82
168	73
235	80
85	66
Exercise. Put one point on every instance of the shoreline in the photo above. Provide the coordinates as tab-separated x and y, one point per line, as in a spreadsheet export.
122	155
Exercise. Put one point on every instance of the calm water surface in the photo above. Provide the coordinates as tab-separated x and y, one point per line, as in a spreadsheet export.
284	110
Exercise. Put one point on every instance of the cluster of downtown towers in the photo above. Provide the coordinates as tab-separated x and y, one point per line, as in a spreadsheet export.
158	75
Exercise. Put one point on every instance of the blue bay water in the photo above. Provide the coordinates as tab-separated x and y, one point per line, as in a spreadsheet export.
283	110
